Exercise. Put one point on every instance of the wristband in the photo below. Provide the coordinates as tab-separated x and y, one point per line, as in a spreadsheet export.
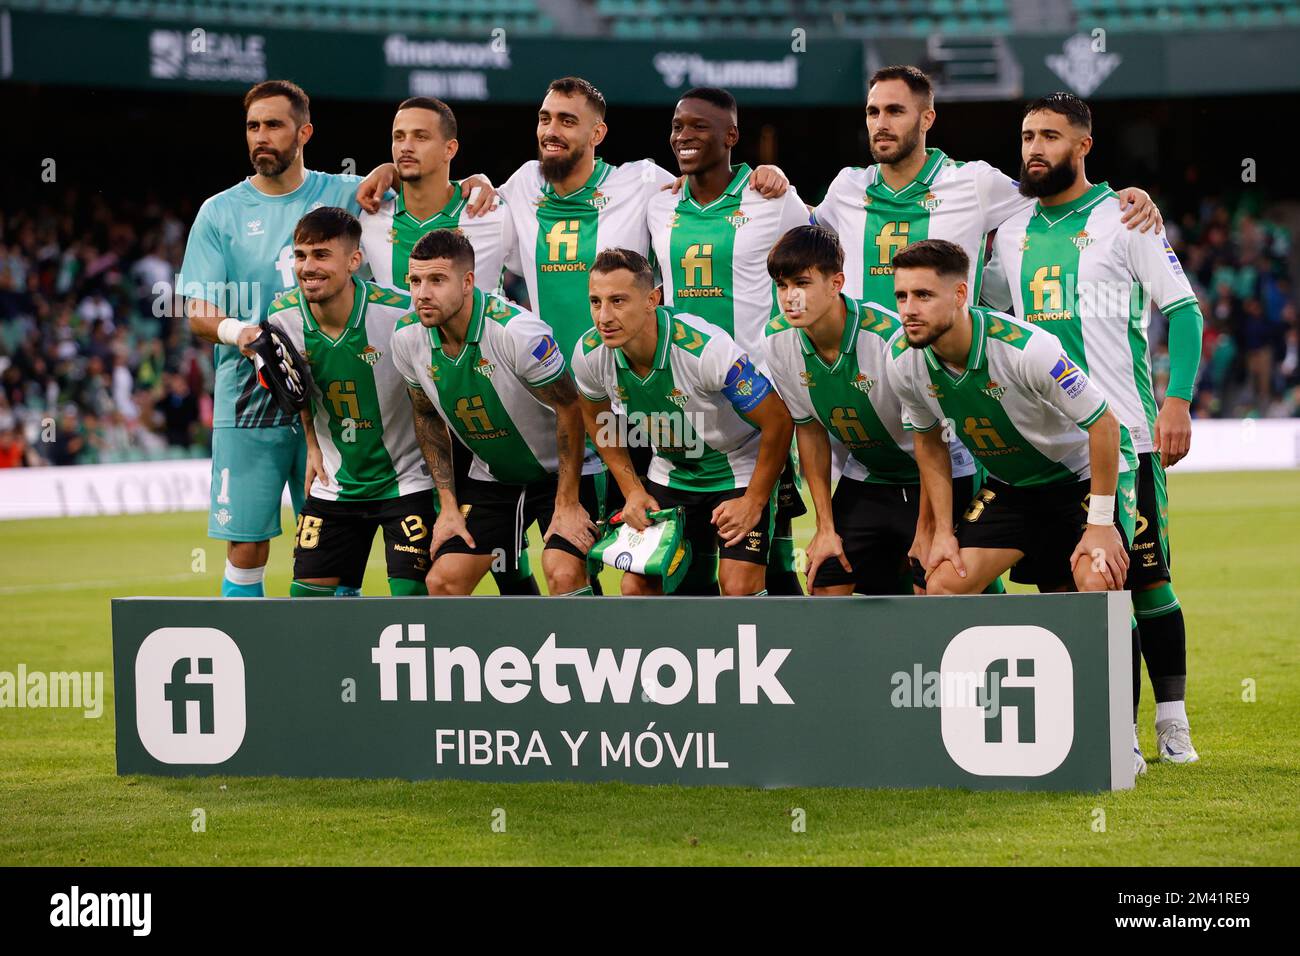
228	331
1101	509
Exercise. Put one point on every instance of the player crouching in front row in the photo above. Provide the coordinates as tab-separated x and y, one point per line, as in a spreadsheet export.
720	433
494	375
364	469
1055	453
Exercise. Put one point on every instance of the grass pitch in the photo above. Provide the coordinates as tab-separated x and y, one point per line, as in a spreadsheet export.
1236	557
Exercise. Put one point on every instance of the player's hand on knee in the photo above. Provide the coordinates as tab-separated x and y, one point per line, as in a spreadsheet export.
736	517
826	544
450	524
1103	547
572	523
944	548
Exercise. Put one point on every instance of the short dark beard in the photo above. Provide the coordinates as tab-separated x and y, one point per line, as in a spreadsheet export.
906	145
1056	180
929	339
275	164
557	168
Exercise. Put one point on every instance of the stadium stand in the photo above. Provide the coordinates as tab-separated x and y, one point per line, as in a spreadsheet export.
86	341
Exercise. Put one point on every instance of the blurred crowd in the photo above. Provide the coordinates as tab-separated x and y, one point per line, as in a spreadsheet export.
95	366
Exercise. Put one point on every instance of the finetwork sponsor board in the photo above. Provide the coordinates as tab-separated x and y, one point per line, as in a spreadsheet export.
1027	692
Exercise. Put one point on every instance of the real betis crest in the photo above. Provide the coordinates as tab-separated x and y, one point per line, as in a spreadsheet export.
485	368
1082	240
739	219
599	200
678	398
370	355
930	202
994	391
864	384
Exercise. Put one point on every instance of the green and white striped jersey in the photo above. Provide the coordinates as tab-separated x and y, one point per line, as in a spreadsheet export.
1021	405
483	393
387	237
360	410
959	202
557	237
689	405
852	398
713	256
1076	270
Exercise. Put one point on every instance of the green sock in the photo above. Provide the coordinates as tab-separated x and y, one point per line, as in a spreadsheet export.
997	587
406	587
299	589
581	592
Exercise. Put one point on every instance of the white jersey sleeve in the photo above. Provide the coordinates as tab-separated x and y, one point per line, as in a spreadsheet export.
917	415
587	372
785	365
402	346
1051	375
825	213
794	212
1153	263
538	360
999	195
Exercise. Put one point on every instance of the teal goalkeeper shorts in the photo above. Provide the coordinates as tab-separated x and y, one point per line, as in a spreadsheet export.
250	467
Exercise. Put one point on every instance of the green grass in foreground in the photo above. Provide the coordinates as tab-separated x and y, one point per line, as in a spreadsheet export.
1236	557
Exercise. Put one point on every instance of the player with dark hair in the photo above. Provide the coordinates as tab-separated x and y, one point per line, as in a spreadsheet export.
238	257
424	143
827	355
1071	267
711	242
1057	456
720	433
492	374
364	469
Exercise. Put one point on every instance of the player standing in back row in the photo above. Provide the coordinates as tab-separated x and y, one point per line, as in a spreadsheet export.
424	142
711	242
1071	267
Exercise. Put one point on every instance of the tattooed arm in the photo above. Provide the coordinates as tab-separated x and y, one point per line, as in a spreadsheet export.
571	520
435	444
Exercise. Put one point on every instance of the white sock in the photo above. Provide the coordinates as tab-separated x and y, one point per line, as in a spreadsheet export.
1171	710
244	575
1135	735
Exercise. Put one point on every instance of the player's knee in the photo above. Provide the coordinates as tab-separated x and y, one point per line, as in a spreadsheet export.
946	581
565	576
440	583
637	585
738	582
248	554
1090	580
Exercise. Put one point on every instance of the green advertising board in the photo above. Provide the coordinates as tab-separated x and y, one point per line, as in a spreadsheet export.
1026	692
222	58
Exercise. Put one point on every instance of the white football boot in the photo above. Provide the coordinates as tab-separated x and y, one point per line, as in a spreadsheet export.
1139	762
1174	741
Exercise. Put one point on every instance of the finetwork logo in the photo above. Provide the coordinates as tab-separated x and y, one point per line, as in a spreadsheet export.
1027	671
189	695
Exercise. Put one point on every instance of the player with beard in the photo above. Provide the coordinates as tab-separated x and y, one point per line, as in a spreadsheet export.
239	255
914	192
491	374
711	242
424	142
364	467
1057	456
1071	267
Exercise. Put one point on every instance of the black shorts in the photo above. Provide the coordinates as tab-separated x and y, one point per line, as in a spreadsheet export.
700	530
334	537
877	524
1043	521
1148	557
498	514
789	503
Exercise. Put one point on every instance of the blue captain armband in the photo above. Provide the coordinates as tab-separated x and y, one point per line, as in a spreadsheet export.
745	386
